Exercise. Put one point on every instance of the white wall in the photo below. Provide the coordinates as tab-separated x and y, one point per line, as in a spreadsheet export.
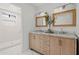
49	7
10	31
27	22
77	27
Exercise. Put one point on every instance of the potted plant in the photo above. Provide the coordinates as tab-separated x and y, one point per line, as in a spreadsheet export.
49	21
49	24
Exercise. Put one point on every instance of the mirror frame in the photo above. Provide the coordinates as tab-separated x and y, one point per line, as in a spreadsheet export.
37	18
73	11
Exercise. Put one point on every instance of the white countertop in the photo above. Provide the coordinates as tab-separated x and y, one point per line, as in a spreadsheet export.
54	34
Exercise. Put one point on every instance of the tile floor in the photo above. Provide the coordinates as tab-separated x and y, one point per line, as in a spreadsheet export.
29	52
16	50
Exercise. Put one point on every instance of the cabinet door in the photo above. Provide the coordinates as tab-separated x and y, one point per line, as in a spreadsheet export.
37	42
31	40
68	46
55	46
45	44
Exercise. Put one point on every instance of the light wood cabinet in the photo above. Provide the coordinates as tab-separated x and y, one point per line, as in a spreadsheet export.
44	44
68	46
32	40
52	45
37	42
62	46
55	48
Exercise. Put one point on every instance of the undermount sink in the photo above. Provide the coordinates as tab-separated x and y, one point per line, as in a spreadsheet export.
56	32
63	32
49	32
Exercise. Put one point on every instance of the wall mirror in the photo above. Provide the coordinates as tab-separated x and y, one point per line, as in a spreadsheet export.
65	18
41	21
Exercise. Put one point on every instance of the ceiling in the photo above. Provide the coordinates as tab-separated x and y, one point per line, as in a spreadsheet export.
44	4
39	4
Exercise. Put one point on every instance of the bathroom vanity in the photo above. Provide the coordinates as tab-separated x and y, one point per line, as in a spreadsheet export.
53	44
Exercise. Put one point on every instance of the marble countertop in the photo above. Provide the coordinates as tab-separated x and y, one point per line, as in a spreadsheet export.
55	34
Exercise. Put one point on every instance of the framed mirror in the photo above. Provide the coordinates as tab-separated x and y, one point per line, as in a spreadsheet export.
41	21
65	18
